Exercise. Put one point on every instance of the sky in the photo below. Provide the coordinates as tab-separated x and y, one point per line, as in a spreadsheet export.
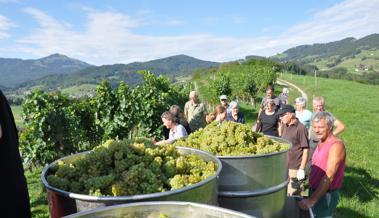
103	32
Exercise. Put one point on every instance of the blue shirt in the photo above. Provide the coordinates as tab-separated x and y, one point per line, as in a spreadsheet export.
240	118
305	117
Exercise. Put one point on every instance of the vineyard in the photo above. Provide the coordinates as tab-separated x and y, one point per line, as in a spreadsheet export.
57	126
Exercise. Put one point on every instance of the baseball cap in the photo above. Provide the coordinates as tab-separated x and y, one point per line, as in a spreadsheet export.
222	97
286	108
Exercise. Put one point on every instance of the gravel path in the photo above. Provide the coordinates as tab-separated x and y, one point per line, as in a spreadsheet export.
284	82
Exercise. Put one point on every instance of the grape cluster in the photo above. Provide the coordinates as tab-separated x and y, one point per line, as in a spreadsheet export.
231	139
129	167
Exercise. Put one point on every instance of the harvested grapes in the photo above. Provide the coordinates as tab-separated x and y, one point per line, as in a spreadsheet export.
231	139
120	168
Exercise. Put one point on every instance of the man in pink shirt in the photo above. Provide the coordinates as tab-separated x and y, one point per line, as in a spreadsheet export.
327	170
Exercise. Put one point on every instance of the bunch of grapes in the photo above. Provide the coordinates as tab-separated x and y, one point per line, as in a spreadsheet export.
231	139
129	167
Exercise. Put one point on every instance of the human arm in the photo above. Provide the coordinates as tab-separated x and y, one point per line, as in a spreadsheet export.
339	127
186	111
304	142
336	156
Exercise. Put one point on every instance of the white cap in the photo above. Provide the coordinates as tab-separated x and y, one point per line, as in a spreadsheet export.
223	97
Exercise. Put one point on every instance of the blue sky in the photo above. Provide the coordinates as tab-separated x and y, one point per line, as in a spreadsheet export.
122	31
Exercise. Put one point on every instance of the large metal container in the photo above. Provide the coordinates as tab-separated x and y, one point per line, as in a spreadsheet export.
169	209
256	185
62	203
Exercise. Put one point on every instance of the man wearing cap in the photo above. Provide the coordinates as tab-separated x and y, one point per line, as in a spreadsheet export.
296	133
225	104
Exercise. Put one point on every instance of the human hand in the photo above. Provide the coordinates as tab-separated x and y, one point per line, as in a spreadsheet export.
300	174
305	204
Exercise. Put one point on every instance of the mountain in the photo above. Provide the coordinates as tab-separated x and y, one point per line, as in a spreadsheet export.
16	71
354	55
172	67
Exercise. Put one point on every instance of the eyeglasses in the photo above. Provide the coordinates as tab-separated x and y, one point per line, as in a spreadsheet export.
223	99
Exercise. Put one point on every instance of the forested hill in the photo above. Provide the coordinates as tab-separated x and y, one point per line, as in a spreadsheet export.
16	71
179	65
343	48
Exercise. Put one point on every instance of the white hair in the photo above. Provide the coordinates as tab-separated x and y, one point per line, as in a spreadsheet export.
301	101
233	104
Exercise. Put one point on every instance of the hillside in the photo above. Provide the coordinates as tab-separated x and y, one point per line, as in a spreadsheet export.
353	55
13	71
172	67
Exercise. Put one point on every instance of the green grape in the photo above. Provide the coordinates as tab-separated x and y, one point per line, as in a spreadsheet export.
231	139
128	167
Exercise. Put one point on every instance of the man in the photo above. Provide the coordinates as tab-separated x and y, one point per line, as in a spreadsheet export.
327	170
224	103
319	105
339	127
195	112
235	115
296	133
16	202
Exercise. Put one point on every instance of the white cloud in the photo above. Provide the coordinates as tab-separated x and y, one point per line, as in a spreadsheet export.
109	36
5	25
351	18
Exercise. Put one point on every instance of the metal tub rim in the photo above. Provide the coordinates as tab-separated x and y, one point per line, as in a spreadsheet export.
132	197
159	203
261	155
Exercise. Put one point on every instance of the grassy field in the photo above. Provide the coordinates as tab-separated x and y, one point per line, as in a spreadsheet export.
357	106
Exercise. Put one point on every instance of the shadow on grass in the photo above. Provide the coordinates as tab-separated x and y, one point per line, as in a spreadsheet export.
344	212
358	182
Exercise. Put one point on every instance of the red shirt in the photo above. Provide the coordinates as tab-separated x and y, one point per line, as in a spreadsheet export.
318	169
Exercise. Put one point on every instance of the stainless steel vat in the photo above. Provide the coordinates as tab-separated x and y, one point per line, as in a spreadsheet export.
169	209
256	185
62	203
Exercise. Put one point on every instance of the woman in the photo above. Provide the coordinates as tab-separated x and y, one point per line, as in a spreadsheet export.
177	131
179	116
219	114
235	115
268	121
303	114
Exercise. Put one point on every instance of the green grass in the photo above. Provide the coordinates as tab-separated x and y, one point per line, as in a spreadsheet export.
358	107
17	111
84	88
38	197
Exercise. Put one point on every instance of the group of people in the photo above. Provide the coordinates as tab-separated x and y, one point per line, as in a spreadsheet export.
179	125
315	144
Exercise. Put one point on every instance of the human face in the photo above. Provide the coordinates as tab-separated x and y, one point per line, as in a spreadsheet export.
235	111
269	93
270	107
321	129
299	107
286	118
223	102
167	123
318	106
221	116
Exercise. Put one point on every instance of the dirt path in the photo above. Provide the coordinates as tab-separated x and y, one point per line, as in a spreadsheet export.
284	82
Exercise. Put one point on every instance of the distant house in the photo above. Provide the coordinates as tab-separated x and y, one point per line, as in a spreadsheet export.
360	67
